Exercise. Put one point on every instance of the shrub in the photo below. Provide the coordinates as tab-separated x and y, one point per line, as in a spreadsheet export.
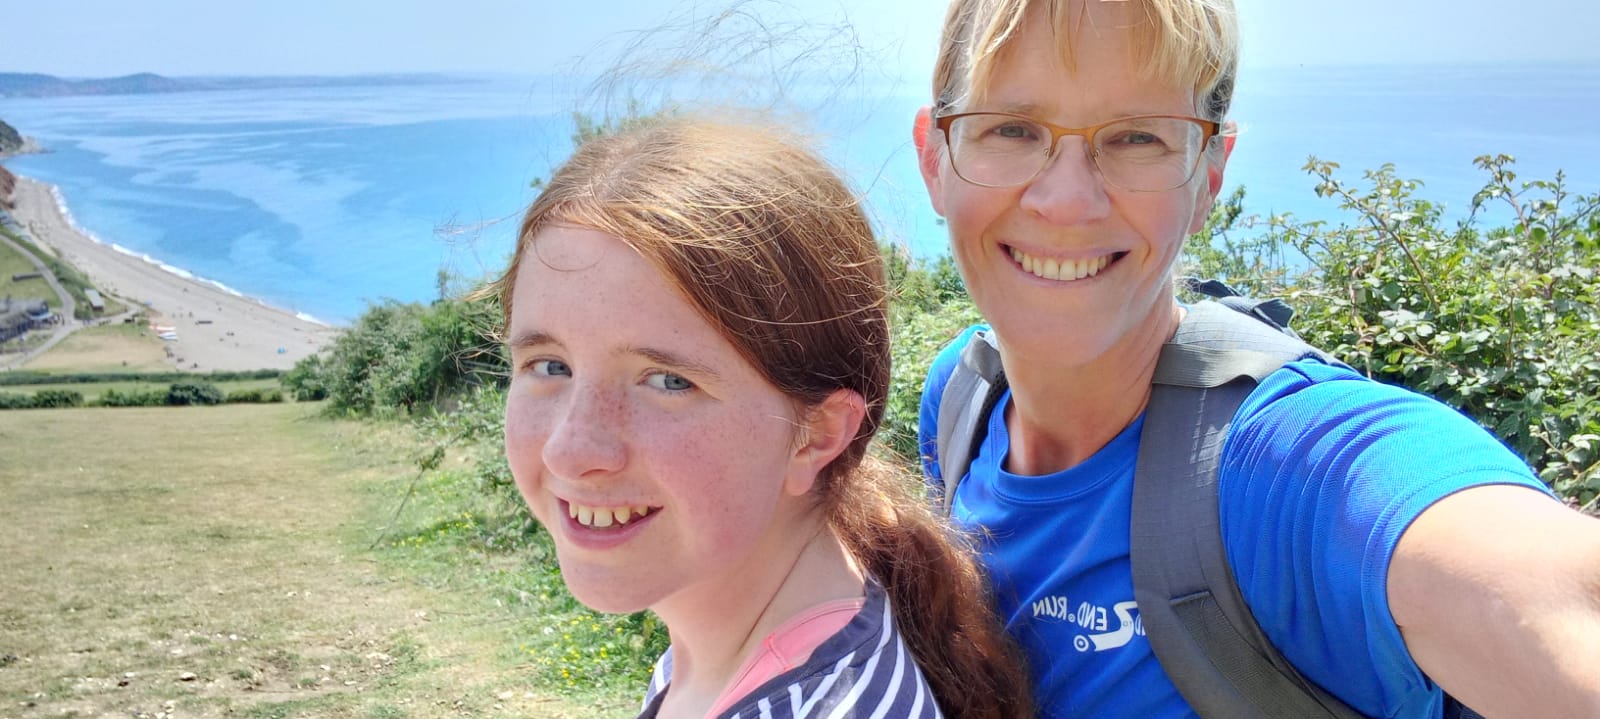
406	358
928	307
192	393
255	396
133	398
54	398
27	377
1502	324
12	400
305	381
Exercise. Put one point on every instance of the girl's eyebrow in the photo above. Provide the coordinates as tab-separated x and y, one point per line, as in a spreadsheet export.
531	338
669	360
677	362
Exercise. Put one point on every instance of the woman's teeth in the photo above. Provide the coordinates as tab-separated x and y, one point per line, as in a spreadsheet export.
1060	270
602	517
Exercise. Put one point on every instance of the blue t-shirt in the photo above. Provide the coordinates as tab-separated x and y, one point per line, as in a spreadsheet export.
1321	473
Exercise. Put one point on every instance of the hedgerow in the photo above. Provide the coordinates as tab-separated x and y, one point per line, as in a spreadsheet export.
1502	323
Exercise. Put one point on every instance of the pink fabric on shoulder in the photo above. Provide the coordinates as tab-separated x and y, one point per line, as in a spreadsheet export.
787	647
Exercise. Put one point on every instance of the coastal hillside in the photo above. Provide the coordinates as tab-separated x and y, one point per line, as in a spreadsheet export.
10	139
8	185
10	142
36	85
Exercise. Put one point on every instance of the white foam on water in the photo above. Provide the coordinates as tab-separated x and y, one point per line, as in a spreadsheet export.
61	206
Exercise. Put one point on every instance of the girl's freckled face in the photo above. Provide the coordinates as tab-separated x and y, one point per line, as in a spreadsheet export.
625	398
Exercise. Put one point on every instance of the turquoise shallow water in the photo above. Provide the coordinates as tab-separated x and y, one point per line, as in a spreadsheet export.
321	200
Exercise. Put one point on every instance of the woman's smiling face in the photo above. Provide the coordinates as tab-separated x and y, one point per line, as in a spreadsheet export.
654	453
1012	243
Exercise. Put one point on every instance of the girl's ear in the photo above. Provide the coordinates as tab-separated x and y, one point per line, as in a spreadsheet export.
825	433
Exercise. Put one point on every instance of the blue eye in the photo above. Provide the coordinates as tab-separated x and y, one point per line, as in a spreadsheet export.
669	382
551	368
1016	131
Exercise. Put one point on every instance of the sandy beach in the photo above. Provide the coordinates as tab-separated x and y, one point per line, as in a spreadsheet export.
216	330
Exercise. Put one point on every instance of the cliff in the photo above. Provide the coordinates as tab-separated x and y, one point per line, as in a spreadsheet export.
8	184
10	139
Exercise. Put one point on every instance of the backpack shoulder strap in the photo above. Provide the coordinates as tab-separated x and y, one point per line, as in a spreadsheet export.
1197	623
969	396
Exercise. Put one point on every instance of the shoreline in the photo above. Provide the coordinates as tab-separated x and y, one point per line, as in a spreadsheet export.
217	327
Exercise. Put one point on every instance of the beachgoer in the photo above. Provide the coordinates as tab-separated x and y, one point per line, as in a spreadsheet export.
1386	545
696	318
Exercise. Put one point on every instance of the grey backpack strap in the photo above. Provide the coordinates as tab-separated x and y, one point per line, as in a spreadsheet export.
1197	623
970	394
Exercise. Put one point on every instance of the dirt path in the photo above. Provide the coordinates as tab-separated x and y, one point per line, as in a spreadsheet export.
210	562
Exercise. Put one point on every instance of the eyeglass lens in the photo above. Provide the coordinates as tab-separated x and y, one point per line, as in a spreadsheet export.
1147	153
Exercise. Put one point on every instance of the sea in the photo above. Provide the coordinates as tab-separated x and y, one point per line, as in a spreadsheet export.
323	200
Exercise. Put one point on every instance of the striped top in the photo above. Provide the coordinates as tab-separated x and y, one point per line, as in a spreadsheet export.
865	671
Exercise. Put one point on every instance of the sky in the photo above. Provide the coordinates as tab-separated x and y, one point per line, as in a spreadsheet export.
100	38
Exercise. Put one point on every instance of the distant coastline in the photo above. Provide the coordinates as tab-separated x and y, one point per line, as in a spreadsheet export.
21	85
29	146
220	327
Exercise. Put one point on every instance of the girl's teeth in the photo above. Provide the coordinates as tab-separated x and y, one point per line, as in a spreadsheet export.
604	517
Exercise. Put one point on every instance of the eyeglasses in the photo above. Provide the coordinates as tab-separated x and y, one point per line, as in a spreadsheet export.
1144	153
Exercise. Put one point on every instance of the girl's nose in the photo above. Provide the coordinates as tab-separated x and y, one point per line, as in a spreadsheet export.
587	434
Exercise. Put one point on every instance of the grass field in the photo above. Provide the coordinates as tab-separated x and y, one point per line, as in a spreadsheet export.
121	347
13	263
214	562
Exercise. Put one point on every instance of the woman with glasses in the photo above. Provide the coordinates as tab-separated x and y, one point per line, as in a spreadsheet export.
1386	545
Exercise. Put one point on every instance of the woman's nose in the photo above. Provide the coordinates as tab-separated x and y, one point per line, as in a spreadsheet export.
1069	190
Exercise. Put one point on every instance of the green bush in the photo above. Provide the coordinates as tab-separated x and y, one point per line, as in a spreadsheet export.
133	398
1501	323
192	393
928	307
12	400
406	359
27	377
56	398
305	381
254	396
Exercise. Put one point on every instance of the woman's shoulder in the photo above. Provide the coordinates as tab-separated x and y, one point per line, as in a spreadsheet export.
1312	392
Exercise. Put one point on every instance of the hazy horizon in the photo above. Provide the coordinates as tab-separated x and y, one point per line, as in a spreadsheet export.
895	38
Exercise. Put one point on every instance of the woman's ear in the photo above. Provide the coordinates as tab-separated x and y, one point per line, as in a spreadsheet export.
1216	162
825	433
1214	170
930	154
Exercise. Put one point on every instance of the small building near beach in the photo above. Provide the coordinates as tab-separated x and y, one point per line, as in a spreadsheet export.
96	302
17	317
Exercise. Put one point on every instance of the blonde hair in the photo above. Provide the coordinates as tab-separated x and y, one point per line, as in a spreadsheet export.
1191	43
772	248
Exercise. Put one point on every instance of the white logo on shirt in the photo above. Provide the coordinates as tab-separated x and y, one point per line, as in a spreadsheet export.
1096	619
